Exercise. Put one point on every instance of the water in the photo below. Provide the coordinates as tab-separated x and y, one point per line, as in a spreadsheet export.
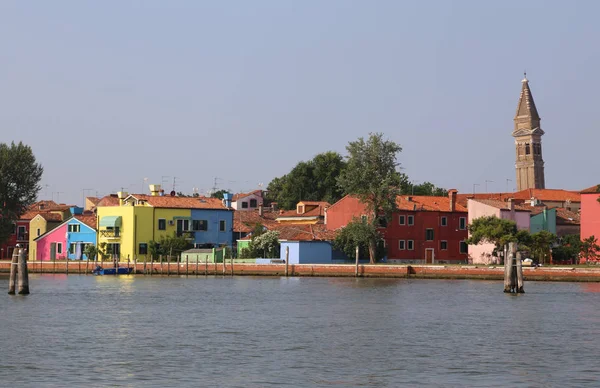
256	332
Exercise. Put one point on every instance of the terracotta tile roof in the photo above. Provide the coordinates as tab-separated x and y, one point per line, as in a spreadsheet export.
45	204
88	219
567	217
463	198
552	195
245	220
302	233
318	211
244	195
52	217
426	203
93	200
181	202
502	205
315	203
591	190
108	200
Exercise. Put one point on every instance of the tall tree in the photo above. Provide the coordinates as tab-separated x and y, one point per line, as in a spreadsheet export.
541	245
497	231
589	249
358	233
371	176
314	180
20	176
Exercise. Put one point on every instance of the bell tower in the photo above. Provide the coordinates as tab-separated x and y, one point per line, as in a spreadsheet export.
528	142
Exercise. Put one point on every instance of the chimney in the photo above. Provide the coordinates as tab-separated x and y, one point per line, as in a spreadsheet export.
122	195
274	206
227	197
260	210
511	205
155	190
452	198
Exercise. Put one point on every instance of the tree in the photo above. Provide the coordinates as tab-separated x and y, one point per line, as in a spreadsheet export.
315	180
169	245
589	249
426	188
20	176
541	245
218	194
90	251
266	243
371	176
358	233
497	231
568	249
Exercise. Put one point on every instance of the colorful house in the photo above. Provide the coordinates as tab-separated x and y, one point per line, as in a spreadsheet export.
306	244
307	212
590	212
542	219
67	240
424	229
126	230
46	221
484	253
248	201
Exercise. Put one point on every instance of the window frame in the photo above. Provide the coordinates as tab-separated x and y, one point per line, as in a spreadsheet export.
427	231
199	222
462	223
443	245
401	245
245	205
444	221
164	224
251	202
401	219
222	225
71	228
410	220
410	245
463	244
59	248
140	248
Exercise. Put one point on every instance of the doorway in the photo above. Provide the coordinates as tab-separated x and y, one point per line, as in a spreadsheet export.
429	255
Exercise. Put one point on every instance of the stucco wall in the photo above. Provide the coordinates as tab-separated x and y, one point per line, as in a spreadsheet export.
43	245
543	221
237	205
85	235
213	235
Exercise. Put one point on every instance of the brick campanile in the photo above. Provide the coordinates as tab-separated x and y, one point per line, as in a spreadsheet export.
528	142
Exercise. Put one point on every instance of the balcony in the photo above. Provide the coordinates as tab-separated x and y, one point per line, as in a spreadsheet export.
187	234
23	237
110	233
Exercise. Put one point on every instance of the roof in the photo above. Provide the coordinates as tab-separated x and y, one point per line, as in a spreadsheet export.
88	219
180	202
108	200
65	222
244	221
288	232
243	195
317	211
550	195
591	190
427	203
51	216
567	217
93	200
526	105
463	198
502	205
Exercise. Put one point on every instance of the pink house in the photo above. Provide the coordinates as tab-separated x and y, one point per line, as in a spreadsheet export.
482	253
248	201
52	244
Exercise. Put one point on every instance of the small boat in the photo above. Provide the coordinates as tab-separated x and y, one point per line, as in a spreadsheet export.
112	271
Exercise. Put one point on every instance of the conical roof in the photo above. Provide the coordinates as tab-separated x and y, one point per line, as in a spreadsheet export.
526	105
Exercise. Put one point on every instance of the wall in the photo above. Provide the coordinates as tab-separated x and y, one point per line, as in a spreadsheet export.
342	212
241	244
126	231
294	254
168	215
213	235
481	253
314	252
590	216
237	205
543	221
85	235
43	245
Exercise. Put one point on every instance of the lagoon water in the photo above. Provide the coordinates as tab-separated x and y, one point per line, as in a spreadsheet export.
266	331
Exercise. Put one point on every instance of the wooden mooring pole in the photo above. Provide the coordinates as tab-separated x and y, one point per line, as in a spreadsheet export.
23	274
513	271
356	268
287	261
12	281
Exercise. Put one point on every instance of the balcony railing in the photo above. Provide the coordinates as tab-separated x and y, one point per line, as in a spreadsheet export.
110	233
23	237
187	234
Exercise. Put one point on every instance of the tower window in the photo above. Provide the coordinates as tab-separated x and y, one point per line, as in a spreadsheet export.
527	149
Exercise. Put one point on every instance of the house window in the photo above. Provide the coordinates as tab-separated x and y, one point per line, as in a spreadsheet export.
200	225
115	230
410	245
143	249
382	222
462	224
162	224
444	221
244	205
411	220
59	248
429	234
72	247
74	228
443	245
39	231
14	228
402	220
222	225
253	202
183	225
401	245
464	248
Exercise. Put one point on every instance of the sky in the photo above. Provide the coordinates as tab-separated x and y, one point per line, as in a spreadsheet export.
115	95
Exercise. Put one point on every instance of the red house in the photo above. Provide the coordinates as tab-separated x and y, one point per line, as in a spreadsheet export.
424	229
590	213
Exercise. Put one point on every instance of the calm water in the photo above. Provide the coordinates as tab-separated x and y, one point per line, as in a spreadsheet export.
255	332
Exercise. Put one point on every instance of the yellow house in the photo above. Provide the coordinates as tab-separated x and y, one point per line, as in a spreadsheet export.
307	212
126	230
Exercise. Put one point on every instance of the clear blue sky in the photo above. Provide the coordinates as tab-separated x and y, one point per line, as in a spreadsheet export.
109	93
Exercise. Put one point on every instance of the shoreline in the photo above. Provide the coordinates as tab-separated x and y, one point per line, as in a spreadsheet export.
475	272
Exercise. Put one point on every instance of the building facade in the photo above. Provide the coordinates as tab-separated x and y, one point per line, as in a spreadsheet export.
590	213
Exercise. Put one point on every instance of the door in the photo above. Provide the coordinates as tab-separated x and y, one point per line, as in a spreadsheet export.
52	251
429	256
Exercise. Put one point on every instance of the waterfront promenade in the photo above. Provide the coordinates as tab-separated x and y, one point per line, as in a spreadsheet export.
569	274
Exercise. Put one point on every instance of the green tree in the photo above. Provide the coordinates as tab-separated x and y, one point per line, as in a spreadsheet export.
568	249
541	245
90	251
20	176
266	243
218	194
498	231
315	180
589	249
426	188
358	233
169	246
371	176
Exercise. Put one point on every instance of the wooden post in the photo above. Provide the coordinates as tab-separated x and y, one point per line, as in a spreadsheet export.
134	264
197	259
223	262
507	269
206	266
356	269
128	262
54	265
23	274
145	267
87	263
187	266
168	265
161	265
67	265
520	289
12	282
80	266
178	262
287	260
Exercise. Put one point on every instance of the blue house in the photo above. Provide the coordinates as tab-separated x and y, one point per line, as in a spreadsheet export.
307	252
215	227
81	231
